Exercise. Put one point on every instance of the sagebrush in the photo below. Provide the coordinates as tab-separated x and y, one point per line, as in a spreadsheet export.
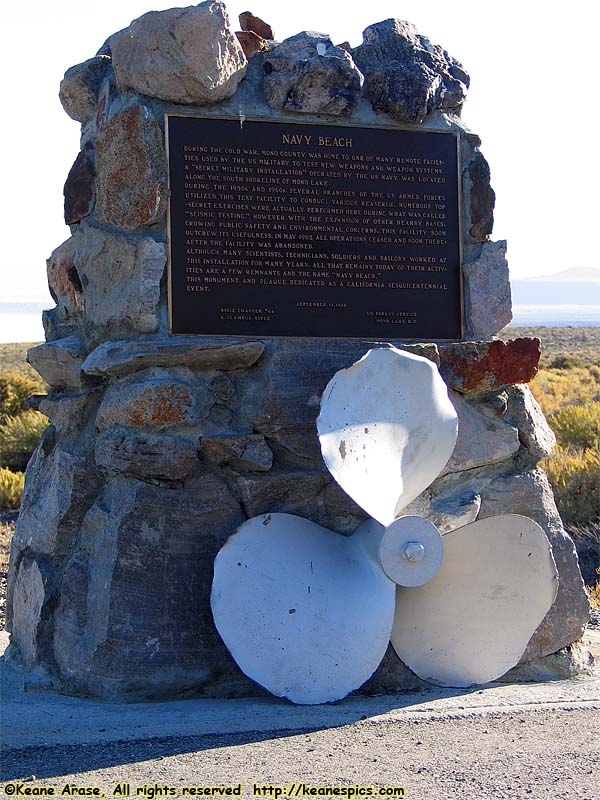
11	488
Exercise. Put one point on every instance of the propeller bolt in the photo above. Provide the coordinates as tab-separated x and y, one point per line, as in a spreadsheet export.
413	551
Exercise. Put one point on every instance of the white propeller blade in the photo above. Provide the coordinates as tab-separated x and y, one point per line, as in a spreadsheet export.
304	612
387	428
472	622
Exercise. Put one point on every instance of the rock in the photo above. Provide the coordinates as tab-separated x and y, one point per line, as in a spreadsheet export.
114	278
482	199
534	432
479	367
28	601
146	455
158	403
308	74
529	493
65	287
251	43
407	76
119	358
573	661
131	170
133	620
481	439
392	677
57	487
68	413
449	512
79	88
182	55
488	306
286	491
248	22
79	190
58	362
246	453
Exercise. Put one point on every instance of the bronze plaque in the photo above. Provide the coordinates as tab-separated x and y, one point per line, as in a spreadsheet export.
295	229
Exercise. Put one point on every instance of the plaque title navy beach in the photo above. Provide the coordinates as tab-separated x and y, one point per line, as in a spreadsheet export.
282	229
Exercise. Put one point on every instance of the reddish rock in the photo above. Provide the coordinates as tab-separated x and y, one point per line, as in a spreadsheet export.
248	22
478	367
151	403
483	199
131	173
251	43
79	189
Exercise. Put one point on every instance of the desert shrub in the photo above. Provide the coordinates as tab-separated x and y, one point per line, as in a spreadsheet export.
19	436
575	479
11	488
564	361
555	389
15	388
577	426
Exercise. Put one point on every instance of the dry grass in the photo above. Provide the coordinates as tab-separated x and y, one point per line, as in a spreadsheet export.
6	531
580	344
13	358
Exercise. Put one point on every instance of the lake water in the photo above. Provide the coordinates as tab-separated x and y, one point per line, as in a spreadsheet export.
22	322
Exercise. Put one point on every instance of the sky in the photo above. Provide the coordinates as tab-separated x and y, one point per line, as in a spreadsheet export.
533	101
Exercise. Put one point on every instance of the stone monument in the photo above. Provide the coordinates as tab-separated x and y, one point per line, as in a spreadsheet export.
183	395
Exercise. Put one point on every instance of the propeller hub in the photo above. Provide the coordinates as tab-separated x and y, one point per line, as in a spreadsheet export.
413	551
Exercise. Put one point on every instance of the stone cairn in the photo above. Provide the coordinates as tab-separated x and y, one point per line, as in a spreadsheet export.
159	446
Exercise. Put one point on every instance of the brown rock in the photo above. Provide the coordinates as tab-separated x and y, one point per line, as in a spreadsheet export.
248	22
131	182
79	188
251	43
483	199
478	367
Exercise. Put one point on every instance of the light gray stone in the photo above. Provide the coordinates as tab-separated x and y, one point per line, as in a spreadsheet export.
529	493
488	304
79	88
28	600
57	486
68	413
182	55
145	455
133	619
481	439
131	169
573	661
58	362
159	403
406	75
119	358
534	432
308	74
109	281
246	453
